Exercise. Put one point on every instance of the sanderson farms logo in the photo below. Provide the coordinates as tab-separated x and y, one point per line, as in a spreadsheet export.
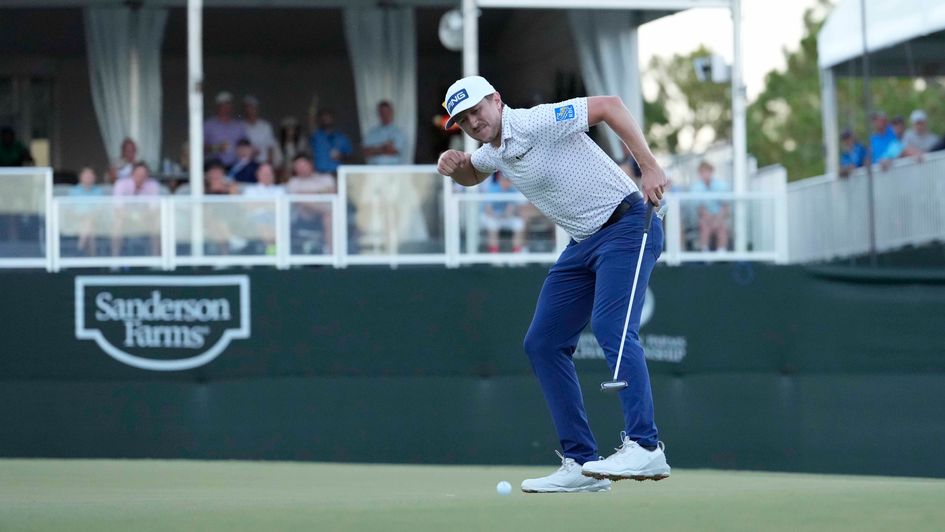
162	323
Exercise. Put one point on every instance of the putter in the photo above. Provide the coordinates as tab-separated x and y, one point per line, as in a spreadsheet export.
615	385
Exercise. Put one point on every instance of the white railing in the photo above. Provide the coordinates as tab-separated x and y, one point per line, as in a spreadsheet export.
379	215
830	217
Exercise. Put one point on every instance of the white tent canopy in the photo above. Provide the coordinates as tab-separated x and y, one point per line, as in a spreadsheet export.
888	23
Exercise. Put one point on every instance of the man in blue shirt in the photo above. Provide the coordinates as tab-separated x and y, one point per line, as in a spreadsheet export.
329	146
883	135
386	143
852	153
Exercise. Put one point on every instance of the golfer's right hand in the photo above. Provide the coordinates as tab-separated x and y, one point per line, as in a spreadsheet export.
451	161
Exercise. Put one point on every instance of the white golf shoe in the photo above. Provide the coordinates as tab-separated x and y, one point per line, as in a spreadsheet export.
567	479
630	462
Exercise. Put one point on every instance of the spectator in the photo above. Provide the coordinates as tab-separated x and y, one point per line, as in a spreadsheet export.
12	151
306	181
135	219
329	147
385	144
85	214
503	214
310	221
883	135
217	183
258	131
265	186
222	132
852	153
244	169
139	183
918	139
262	216
291	145
125	163
894	149
713	214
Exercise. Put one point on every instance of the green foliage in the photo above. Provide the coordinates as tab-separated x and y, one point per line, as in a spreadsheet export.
685	104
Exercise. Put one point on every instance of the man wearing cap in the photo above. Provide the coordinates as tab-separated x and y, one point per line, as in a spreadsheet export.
852	153
548	156
258	131
222	132
918	139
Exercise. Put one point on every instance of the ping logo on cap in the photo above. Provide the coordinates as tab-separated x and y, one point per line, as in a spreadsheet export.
564	113
454	100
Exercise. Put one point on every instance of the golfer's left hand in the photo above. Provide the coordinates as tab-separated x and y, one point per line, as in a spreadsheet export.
654	183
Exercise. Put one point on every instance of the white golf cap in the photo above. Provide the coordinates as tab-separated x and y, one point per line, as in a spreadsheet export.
464	94
224	97
918	116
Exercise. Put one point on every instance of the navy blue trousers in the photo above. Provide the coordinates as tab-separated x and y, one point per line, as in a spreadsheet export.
592	281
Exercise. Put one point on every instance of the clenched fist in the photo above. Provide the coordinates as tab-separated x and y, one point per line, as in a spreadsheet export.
451	161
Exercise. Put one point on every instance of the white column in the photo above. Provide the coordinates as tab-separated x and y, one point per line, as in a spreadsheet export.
470	68
195	105
470	51
195	93
828	107
739	136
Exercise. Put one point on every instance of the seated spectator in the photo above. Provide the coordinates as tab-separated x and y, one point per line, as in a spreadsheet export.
132	220
244	169
139	183
306	181
258	131
12	151
918	139
262	217
386	143
265	186
503	214
222	132
86	214
310	221
125	163
291	145
852	153
329	146
713	214
216	181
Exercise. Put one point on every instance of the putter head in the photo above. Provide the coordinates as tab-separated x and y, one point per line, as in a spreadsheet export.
613	386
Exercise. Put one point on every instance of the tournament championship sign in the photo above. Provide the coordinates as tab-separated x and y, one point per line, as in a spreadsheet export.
162	323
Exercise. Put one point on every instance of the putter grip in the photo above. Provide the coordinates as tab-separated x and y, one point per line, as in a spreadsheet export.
649	217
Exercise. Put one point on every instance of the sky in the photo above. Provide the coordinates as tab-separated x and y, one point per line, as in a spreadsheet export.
768	26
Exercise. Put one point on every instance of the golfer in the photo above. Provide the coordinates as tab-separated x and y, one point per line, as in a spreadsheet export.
546	153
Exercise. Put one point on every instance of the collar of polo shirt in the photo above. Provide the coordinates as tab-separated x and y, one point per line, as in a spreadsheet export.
464	94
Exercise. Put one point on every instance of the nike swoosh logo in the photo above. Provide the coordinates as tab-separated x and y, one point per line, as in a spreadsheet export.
519	157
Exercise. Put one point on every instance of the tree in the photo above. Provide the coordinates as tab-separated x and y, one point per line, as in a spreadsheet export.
685	106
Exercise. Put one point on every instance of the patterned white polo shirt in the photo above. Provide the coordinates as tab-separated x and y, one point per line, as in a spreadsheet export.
546	153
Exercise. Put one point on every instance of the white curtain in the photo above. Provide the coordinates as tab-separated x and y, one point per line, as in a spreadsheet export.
383	47
607	48
124	52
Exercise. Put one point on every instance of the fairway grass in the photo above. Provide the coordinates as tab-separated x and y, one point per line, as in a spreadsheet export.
141	495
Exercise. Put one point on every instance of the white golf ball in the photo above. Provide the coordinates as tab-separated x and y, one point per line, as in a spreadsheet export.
503	488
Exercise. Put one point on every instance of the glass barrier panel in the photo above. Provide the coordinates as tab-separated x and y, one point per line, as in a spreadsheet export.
395	213
311	226
232	226
710	224
22	212
500	223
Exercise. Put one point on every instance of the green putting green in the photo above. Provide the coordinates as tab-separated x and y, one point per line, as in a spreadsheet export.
140	495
